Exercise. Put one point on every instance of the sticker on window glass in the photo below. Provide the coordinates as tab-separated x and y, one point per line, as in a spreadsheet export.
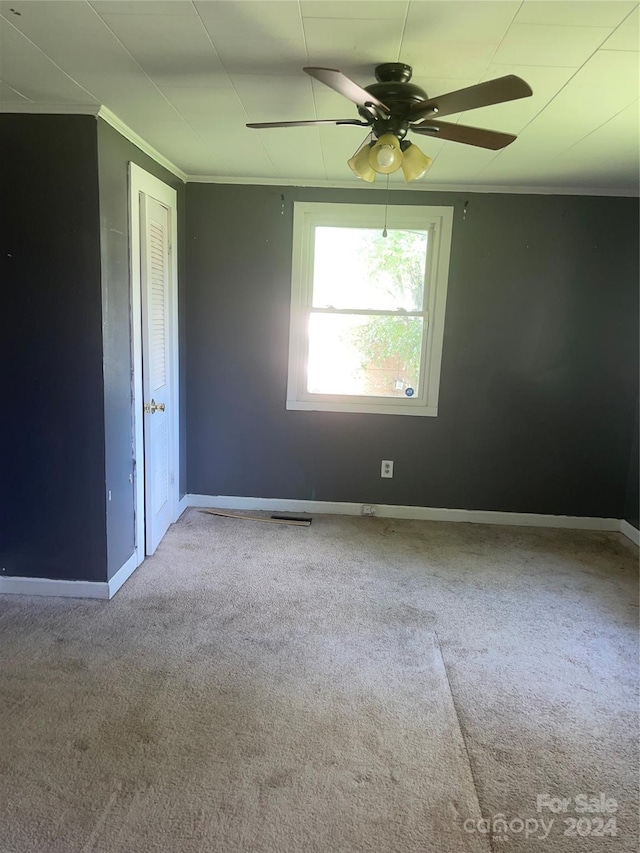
409	392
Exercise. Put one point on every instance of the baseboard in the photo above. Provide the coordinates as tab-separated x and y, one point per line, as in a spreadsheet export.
124	573
44	586
421	513
630	532
105	591
183	504
71	589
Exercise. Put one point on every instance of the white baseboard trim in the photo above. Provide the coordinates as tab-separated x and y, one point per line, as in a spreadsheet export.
71	589
183	504
476	516
44	586
105	591
123	574
630	532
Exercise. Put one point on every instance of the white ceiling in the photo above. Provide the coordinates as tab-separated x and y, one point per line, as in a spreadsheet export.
187	76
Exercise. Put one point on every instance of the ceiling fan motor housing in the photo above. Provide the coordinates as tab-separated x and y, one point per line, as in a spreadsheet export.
394	89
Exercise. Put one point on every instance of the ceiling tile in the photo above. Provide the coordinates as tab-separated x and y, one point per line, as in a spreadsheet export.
627	35
256	37
238	148
455	60
189	75
526	162
574	113
128	90
622	132
538	44
334	44
454	159
73	36
26	69
295	152
589	163
182	146
253	19
390	9
474	21
609	75
276	98
144	7
577	111
586	13
8	95
170	48
210	110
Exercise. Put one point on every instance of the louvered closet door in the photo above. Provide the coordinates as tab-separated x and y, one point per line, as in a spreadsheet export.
156	369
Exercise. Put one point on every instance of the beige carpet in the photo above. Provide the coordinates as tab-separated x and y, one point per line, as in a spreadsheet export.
228	714
278	689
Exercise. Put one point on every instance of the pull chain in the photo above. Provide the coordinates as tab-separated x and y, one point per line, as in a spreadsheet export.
386	206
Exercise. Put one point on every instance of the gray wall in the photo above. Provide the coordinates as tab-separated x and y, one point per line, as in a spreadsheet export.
67	421
631	507
52	519
539	373
114	154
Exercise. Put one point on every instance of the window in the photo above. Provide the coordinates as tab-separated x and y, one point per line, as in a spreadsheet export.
367	311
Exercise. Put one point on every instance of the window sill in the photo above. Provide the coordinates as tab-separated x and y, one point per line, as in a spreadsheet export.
363	408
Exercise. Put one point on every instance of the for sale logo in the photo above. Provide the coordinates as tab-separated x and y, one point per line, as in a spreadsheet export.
586	815
600	804
599	809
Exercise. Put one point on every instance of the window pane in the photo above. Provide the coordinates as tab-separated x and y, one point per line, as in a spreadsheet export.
373	356
359	268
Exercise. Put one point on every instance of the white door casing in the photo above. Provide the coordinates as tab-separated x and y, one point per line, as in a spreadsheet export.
155	356
156	368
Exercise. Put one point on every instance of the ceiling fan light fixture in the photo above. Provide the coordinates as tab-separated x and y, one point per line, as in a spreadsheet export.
414	162
386	156
359	163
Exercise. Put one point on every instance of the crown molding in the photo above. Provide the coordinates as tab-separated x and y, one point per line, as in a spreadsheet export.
417	187
99	111
124	129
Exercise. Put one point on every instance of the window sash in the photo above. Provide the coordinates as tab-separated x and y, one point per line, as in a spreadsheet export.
367	311
427	231
418	397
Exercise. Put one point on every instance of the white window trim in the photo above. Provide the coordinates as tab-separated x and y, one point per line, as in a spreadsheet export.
306	217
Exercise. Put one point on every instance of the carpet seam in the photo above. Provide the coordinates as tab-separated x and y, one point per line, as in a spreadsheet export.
464	739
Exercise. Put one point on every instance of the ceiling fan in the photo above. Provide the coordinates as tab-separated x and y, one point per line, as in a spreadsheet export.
393	106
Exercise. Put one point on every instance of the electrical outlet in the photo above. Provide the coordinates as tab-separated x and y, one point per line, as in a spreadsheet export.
368	509
386	468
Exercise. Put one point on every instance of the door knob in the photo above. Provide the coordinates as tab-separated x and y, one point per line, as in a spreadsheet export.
152	407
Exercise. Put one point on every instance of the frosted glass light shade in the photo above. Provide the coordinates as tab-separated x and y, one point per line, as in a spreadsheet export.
414	163
359	165
385	156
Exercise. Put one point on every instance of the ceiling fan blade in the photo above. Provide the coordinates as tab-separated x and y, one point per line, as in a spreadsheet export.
342	84
264	124
497	91
463	133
